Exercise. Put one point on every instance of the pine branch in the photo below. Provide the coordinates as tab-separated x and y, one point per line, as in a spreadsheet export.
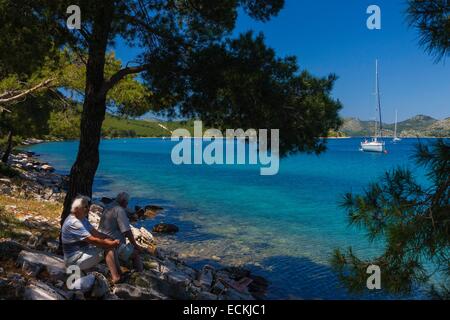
24	93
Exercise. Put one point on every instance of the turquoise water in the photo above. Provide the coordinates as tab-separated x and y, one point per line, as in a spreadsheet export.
283	227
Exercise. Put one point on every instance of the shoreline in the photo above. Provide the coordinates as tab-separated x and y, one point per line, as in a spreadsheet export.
277	291
33	141
38	184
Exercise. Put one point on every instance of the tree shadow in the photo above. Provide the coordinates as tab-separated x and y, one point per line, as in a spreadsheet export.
300	278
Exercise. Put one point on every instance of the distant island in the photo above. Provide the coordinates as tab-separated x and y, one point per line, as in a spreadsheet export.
122	127
420	125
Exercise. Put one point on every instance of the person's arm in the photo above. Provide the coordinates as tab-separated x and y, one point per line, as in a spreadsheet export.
129	234
125	227
102	243
94	231
99	234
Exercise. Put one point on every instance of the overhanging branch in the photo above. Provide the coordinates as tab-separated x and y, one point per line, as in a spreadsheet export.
25	93
119	75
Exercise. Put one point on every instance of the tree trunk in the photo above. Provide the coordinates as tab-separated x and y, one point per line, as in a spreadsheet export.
8	149
94	108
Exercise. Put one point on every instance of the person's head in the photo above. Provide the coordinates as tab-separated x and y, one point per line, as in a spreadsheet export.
122	199
80	207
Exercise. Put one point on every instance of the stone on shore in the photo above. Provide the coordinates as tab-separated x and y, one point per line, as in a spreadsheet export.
205	277
12	287
165	228
143	236
205	295
84	284
101	286
47	167
38	290
128	292
153	208
10	249
33	262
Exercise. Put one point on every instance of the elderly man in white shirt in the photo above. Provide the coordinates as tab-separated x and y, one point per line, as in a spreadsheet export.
83	245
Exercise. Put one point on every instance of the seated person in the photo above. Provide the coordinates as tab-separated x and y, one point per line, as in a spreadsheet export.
116	225
83	245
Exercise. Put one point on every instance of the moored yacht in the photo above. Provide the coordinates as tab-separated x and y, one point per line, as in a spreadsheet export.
376	144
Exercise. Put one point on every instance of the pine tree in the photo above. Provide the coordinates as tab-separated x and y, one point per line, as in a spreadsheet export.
412	219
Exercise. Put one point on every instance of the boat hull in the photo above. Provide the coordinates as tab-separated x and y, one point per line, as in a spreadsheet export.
372	146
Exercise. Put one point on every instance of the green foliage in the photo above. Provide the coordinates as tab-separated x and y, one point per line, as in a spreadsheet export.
114	126
128	98
413	220
29	117
240	83
23	44
432	19
64	124
6	171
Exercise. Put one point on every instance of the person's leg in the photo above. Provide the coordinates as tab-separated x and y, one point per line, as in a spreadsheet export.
116	258
112	265
127	252
90	258
137	261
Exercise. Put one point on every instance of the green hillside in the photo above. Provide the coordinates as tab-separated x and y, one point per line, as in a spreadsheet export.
120	127
419	125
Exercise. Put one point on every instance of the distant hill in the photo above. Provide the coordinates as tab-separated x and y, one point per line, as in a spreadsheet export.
114	127
420	125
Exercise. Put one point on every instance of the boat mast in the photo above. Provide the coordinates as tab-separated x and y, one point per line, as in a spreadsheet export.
395	129
377	89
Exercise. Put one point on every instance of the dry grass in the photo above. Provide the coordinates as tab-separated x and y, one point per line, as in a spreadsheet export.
11	209
49	210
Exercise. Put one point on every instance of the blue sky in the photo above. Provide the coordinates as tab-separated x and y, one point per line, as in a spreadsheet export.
331	36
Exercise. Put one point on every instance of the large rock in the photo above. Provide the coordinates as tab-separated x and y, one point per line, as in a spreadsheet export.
165	228
206	276
35	241
231	294
158	283
204	295
153	208
101	286
106	200
258	288
142	236
12	287
33	262
10	249
84	284
128	292
47	167
178	278
237	272
38	290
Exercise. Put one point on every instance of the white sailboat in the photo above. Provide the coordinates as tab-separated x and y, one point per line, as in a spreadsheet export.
376	144
396	139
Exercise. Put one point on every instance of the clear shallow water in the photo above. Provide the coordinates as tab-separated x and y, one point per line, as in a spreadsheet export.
283	227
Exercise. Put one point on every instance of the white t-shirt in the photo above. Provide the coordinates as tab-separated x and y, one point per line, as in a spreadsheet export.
73	234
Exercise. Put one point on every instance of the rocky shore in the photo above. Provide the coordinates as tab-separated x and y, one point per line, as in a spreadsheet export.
31	269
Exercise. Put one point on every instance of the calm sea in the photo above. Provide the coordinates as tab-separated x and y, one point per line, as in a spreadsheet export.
283	227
